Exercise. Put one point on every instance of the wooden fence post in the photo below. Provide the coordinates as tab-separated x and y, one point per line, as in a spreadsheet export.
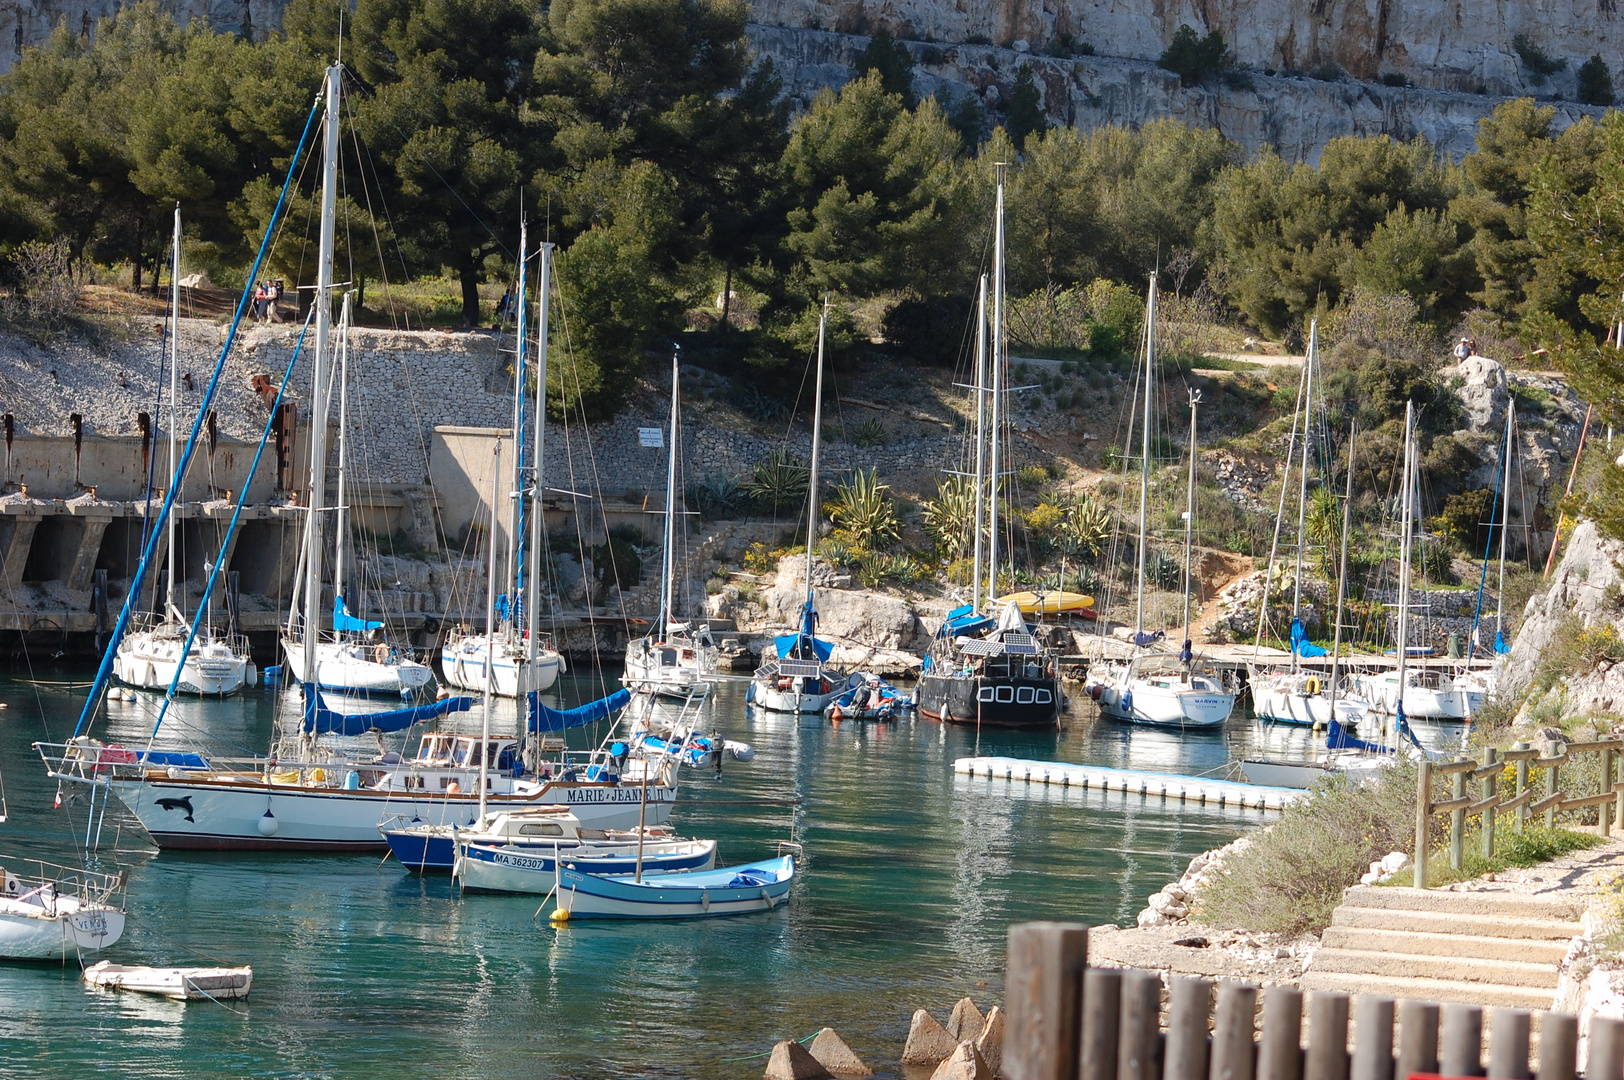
1327	1057
1522	786
1558	1046
1508	1048
1043	985
1102	1022
1423	822
1462	1039
1457	824
1604	812
1141	1025
1417	1039
1551	782
1234	1053
1281	1055
1618	812
1373	1032
1605	1060
1490	782
1189	1008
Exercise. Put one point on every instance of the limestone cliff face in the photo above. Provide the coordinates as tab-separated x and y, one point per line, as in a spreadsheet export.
1443	44
1294	114
30	22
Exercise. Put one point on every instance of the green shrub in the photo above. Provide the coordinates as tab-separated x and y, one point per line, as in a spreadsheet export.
1193	58
1536	60
931	330
1595	82
1292	876
869	433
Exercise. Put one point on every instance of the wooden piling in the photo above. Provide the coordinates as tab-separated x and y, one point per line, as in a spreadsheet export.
1233	1052
1327	1057
1189	1008
1373	1038
1508	1045
1043	990
1102	1023
1558	1046
1280	1056
1139	1031
1417	1038
1462	1040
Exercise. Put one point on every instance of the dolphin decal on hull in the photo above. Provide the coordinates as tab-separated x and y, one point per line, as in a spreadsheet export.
179	804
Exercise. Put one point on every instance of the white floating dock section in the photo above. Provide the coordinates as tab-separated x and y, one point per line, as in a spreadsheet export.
1197	789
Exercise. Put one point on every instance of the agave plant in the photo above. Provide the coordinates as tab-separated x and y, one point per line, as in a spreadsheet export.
950	516
1087	527
864	510
779	479
716	496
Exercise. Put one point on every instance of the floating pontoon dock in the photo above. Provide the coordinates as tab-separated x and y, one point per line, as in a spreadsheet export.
1198	789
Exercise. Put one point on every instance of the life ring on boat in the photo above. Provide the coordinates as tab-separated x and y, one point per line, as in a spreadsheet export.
1311	685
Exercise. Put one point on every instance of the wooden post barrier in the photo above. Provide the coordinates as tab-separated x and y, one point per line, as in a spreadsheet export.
1070	1022
1488	805
1042	996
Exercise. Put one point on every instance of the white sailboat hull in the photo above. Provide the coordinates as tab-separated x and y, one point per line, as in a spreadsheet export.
787	701
245	813
346	668
147	661
1305	774
672	669
1442	702
1285	705
462	664
60	930
1149	703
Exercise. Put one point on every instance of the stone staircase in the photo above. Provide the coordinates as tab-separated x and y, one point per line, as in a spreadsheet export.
1480	948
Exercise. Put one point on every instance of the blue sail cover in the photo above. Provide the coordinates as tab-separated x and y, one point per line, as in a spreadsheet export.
343	621
1500	645
964	622
1142	639
1300	643
1337	738
543	718
787	644
324	721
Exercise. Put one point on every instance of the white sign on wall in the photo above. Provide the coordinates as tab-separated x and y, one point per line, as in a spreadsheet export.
651	437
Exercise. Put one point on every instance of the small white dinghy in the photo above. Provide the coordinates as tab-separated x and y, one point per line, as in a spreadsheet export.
180	983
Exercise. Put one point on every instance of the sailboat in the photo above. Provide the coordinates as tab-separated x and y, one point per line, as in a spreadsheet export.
798	679
214	665
674	657
981	668
353	660
1409	691
315	793
1160	689
520	662
1294	695
1477	685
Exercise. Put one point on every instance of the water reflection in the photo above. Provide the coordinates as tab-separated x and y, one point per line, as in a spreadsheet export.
911	877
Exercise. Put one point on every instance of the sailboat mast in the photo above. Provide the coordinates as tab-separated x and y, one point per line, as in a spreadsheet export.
997	358
1505	520
1342	572
1144	453
516	500
341	511
1189	519
668	572
1302	480
533	573
1407	494
812	475
490	618
318	411
174	415
981	439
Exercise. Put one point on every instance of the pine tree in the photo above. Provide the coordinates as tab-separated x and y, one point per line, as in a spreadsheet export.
1025	116
1595	82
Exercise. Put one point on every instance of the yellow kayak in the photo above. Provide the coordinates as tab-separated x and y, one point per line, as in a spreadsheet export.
1048	603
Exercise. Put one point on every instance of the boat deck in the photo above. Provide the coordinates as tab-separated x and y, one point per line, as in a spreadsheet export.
1198	789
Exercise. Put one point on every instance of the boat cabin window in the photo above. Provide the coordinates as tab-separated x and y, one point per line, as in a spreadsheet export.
984	694
668	658
541	830
1044	697
1006	694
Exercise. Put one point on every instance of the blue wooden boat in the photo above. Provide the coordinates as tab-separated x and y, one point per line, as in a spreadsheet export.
530	868
731	890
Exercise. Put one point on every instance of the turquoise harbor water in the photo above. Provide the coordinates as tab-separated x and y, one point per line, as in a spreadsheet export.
910	878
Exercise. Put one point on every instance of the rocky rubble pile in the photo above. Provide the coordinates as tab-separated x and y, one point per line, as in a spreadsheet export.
1241	600
1176	900
1241	481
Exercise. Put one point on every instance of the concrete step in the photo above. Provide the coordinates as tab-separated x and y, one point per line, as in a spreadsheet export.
1498	904
1443	922
1457	969
1439	990
1420	944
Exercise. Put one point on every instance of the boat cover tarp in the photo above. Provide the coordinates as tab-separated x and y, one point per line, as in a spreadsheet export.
324	721
343	621
963	621
787	644
1300	643
174	758
1337	738
1143	639
543	718
1500	645
1010	618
